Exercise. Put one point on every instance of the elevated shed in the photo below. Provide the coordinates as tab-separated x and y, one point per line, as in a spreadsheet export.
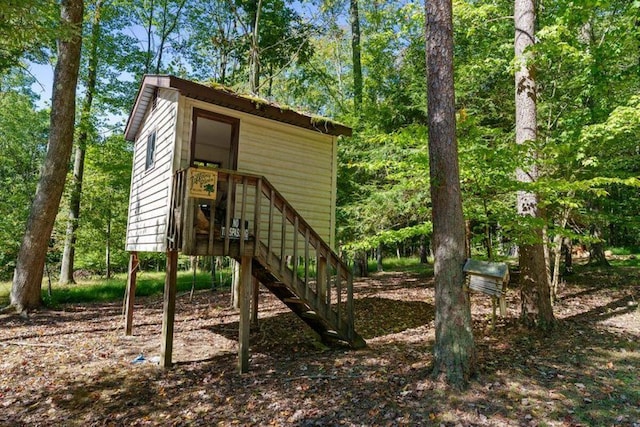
216	173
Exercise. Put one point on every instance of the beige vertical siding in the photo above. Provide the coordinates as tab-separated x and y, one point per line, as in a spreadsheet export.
300	163
150	189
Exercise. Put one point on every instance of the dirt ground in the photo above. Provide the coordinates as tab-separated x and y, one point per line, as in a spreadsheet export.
73	366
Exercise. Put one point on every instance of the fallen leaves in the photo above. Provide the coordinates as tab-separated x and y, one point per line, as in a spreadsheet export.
74	366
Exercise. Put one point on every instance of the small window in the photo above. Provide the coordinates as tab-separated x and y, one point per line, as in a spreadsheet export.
151	151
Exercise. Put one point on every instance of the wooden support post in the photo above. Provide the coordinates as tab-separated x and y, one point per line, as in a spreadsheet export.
493	315
245	301
321	282
169	309
254	302
131	293
503	305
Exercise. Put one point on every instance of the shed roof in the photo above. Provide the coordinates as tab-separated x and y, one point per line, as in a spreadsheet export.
224	98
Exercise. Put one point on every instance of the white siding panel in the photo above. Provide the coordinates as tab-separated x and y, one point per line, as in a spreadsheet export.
150	189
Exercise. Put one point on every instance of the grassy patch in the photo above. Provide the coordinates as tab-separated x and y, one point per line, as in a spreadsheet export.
625	250
102	290
400	264
625	262
5	289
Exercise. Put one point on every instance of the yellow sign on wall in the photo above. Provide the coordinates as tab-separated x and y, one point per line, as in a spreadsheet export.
202	183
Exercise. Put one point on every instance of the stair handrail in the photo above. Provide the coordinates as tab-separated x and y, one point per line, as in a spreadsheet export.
264	188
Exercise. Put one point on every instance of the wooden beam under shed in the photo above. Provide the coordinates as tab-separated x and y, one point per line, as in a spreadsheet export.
245	306
169	309
254	302
130	294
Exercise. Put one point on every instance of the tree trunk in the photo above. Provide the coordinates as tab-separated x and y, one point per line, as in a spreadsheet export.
596	249
68	255
356	56
423	250
149	33
254	55
568	257
27	279
558	240
534	277
454	348
379	258
108	249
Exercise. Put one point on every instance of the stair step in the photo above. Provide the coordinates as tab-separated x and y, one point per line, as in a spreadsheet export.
294	301
278	285
310	314
331	334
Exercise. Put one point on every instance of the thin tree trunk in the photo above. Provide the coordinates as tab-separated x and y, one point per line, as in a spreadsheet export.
68	255
596	249
356	56
534	278
487	232
557	254
379	265
149	30
454	349
108	248
167	29
423	249
254	55
27	279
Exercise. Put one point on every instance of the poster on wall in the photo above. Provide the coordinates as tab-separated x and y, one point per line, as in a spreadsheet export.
202	183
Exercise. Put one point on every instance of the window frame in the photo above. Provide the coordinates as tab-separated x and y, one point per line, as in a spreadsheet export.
151	149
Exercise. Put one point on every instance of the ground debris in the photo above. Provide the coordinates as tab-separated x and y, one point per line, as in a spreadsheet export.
73	366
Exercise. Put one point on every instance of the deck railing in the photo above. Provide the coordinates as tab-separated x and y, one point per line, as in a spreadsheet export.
270	230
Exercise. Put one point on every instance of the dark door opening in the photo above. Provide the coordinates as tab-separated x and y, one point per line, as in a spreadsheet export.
214	141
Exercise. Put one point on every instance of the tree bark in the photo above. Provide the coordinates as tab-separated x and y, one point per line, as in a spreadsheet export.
596	249
254	55
27	280
534	277
68	254
356	56
454	348
107	249
423	250
379	256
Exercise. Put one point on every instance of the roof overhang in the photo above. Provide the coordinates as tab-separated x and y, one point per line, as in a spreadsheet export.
224	98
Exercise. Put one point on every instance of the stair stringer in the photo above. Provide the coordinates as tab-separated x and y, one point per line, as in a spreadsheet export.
303	301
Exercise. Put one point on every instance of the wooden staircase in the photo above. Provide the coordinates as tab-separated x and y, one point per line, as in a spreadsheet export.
287	256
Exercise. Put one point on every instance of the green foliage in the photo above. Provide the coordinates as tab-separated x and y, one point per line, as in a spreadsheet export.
23	140
587	70
26	28
105	200
217	40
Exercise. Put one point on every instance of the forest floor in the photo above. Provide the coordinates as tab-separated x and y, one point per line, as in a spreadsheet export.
73	365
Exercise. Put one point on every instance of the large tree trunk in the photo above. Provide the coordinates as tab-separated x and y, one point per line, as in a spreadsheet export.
356	56
68	254
534	277
27	279
454	349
